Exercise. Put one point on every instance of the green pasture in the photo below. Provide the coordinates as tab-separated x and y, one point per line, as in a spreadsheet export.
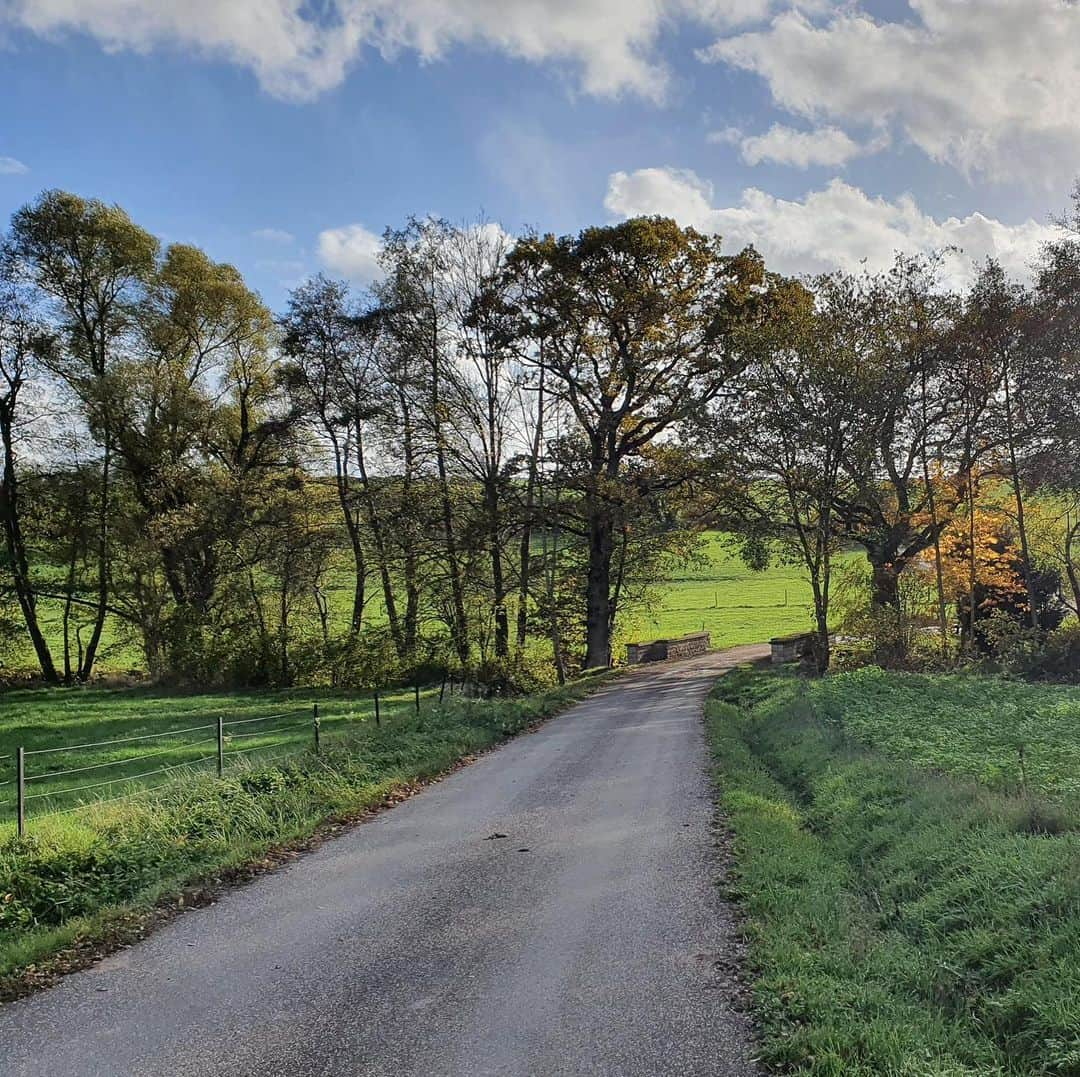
116	741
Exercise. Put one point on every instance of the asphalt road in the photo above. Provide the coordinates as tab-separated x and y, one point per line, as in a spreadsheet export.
551	909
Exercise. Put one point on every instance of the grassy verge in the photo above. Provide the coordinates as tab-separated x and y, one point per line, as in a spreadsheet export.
99	874
901	922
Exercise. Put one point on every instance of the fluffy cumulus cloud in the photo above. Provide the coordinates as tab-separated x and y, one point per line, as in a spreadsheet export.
298	50
351	251
12	166
988	86
783	145
838	226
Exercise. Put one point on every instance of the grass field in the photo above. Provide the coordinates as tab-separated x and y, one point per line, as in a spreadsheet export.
906	920
158	734
730	601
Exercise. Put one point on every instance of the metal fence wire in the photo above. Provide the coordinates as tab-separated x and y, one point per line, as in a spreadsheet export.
215	745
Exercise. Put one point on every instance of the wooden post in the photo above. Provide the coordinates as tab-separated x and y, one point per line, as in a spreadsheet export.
442	688
416	694
20	794
315	722
220	746
378	719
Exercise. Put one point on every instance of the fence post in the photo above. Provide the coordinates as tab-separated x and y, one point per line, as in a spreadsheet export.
20	781
378	718
416	693
442	688
316	724
220	746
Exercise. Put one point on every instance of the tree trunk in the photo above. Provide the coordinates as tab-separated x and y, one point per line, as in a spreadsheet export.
457	593
20	566
972	562
884	585
526	529
1018	497
822	645
498	582
283	629
1070	564
931	502
375	523
70	592
87	665
260	621
598	590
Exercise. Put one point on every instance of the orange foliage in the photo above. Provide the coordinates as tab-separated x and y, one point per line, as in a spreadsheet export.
995	556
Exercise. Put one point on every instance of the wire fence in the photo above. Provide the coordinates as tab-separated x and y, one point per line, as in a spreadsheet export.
37	788
40	787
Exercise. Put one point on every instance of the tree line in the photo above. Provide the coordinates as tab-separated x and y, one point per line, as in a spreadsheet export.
489	456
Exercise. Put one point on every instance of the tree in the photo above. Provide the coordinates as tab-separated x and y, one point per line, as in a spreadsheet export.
416	298
641	327
779	441
1000	320
22	338
485	382
93	263
333	380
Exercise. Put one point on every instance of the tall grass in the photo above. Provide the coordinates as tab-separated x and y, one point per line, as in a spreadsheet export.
902	922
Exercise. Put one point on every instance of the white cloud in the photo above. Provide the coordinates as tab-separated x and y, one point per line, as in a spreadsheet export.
988	86
273	235
827	146
839	226
298	50
12	166
353	251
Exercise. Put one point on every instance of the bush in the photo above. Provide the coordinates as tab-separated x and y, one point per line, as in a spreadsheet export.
1026	652
520	673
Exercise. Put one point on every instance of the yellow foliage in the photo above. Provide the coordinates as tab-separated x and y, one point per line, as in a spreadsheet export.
995	556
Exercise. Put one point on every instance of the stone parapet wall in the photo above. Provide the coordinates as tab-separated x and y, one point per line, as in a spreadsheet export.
791	648
658	650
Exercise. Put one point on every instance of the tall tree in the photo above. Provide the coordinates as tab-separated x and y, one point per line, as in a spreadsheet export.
22	337
1007	326
93	263
485	385
417	299
779	442
332	377
641	325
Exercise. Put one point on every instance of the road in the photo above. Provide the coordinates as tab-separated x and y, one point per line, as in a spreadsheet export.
550	909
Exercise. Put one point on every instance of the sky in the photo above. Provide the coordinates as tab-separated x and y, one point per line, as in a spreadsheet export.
283	136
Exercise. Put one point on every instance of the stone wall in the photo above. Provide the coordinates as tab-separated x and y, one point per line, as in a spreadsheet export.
791	648
659	649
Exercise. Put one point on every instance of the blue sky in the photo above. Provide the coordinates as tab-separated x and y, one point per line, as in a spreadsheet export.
283	136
